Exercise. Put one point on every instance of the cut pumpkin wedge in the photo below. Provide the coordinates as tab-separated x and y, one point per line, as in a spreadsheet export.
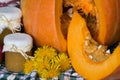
85	66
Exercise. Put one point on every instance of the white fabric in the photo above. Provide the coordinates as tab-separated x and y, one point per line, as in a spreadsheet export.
20	41
14	25
11	13
10	17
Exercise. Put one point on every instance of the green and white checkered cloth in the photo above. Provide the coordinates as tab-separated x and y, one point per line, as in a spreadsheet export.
6	75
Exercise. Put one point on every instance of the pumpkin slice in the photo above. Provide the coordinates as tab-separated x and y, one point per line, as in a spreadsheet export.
41	19
104	24
78	39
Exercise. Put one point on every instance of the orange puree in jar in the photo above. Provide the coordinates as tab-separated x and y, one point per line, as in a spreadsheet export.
14	61
16	46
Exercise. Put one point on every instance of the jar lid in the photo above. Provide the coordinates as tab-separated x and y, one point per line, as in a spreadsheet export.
18	41
11	13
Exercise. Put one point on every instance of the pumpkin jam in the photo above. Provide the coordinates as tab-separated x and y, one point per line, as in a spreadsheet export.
17	46
3	34
17	59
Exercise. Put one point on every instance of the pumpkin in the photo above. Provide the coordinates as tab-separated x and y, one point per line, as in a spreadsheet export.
79	41
107	26
41	19
108	21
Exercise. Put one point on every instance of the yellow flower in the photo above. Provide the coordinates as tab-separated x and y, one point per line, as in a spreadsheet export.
63	60
42	63
51	71
45	51
47	62
28	66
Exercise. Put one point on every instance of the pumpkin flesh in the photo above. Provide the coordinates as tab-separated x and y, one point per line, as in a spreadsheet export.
106	31
86	67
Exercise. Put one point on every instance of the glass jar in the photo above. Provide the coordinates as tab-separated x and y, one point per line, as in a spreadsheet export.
10	21
16	46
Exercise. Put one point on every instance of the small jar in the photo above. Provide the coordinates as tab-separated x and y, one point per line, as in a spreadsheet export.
10	21
16	46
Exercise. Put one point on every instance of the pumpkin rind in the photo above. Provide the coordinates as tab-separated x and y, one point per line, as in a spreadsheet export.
41	19
86	67
108	21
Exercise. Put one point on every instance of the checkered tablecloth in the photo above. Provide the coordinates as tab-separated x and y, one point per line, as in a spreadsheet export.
6	75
